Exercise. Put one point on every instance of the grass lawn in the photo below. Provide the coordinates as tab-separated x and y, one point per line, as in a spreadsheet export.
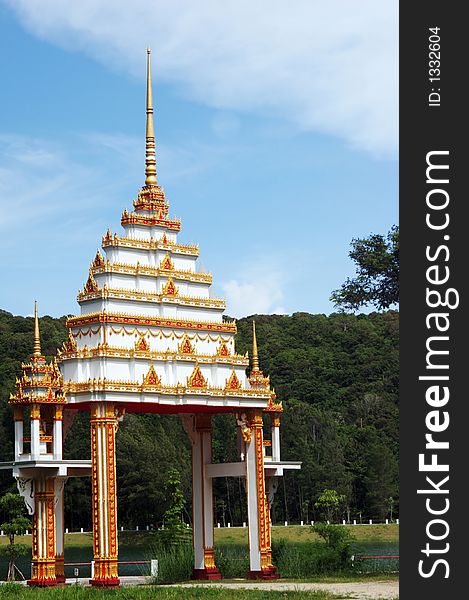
295	533
238	535
17	592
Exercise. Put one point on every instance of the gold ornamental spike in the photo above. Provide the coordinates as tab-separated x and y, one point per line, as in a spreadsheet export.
150	154
255	356
37	339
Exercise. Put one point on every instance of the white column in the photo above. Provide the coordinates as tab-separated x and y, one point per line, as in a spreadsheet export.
275	436
202	500
35	431
260	552
59	528
43	535
57	442
19	431
197	503
252	505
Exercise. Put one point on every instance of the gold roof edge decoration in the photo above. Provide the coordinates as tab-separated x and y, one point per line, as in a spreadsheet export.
150	271
165	322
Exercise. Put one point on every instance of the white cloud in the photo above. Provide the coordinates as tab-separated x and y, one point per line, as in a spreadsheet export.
325	66
258	290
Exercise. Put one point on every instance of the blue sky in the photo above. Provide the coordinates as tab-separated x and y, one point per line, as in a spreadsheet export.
276	137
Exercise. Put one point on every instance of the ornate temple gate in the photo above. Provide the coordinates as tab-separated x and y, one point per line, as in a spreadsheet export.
150	338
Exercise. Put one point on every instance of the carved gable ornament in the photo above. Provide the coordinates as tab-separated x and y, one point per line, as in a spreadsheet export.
197	380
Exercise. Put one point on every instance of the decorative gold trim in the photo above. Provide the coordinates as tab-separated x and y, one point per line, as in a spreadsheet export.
169	294
223	350
108	351
233	383
150	221
129	319
151	378
185	347
98	261
133	387
147	271
137	244
141	345
169	289
196	379
166	263
91	285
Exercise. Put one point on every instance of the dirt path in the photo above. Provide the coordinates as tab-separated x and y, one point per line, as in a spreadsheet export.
354	590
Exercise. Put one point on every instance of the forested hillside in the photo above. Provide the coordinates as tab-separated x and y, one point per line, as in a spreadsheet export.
338	379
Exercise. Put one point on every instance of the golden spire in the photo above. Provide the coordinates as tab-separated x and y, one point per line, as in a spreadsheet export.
255	356
37	339
150	154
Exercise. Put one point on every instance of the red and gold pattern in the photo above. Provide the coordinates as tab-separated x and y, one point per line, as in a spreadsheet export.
151	221
104	503
43	535
268	571
40	383
91	285
128	319
59	568
134	269
169	289
223	350
167	264
141	345
98	261
185	347
232	383
197	380
151	378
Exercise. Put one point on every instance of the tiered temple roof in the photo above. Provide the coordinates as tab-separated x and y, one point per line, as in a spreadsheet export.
150	331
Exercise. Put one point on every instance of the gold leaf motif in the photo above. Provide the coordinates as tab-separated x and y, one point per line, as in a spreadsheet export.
185	347
151	378
196	380
169	289
142	345
91	285
167	263
233	383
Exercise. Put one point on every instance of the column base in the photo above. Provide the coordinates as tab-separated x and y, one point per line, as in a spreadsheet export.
44	582
105	582
267	574
60	579
207	574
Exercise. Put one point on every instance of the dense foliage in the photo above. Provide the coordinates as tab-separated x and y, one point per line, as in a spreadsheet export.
338	379
376	283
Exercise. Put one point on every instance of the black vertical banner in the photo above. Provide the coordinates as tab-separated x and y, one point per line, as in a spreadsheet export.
434	507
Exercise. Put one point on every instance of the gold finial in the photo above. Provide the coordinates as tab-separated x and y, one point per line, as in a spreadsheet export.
150	154
37	339
255	356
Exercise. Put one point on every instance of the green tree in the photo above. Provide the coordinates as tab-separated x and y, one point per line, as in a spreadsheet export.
174	526
329	503
377	273
338	539
12	506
